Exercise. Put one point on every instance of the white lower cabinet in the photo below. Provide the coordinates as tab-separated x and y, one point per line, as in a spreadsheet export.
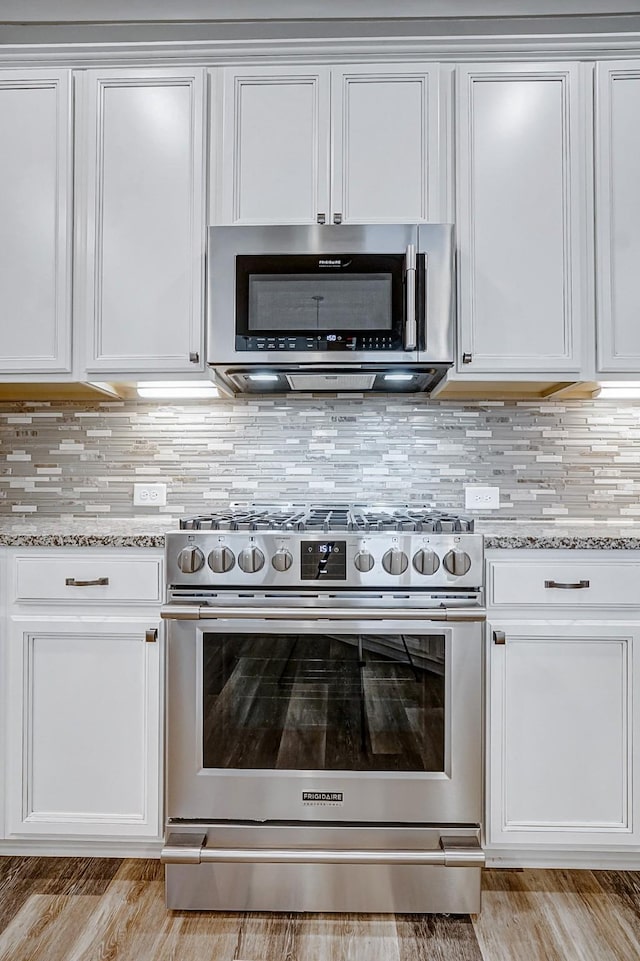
562	733
563	723
83	711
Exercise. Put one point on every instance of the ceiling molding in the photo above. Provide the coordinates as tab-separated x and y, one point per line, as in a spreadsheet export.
208	53
211	11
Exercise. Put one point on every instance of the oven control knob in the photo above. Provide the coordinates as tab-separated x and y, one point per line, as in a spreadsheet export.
190	560
251	559
426	561
395	561
221	560
282	559
363	561
457	562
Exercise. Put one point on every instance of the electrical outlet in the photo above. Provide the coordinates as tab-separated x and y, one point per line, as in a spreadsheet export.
481	498
150	495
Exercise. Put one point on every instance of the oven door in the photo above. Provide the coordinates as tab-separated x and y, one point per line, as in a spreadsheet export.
330	719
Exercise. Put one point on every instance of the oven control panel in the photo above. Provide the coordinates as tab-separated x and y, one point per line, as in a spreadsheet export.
281	560
323	560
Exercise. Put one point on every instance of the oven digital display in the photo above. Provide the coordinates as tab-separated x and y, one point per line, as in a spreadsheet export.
323	560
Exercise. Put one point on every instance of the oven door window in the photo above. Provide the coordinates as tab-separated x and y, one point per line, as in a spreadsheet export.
324	702
291	296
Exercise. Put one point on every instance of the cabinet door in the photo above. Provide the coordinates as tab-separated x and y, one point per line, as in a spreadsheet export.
386	144
140	242
274	149
83	728
524	216
618	215
35	222
562	733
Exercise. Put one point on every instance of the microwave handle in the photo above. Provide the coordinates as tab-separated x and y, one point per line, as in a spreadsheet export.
410	324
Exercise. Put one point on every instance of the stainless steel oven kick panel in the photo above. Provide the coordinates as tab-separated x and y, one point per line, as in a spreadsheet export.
454	852
191	612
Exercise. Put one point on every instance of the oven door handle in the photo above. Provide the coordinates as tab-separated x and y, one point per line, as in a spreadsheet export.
453	852
193	612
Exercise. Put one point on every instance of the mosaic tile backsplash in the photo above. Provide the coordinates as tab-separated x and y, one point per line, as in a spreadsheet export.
574	460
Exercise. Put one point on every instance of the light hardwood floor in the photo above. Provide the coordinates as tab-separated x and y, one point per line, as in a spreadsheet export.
95	909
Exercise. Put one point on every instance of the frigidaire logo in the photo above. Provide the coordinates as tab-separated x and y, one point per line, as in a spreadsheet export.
322	797
330	263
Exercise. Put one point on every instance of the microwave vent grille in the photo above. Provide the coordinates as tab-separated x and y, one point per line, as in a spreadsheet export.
331	381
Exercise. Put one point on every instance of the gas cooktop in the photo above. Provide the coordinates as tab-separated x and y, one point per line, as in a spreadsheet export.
293	547
330	518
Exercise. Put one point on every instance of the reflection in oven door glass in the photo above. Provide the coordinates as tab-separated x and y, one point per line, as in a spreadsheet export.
324	702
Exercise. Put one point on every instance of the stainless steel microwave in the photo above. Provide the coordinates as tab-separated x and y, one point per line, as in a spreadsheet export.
349	307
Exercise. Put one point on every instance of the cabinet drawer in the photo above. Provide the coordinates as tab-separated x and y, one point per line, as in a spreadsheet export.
88	579
579	583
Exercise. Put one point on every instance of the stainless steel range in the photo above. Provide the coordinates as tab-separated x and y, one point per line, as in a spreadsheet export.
324	690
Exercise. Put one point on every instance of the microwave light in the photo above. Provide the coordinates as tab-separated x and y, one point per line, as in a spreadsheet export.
264	377
398	376
187	389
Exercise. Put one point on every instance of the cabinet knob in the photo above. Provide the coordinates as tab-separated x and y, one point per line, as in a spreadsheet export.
322	218
467	358
337	218
499	637
151	636
194	357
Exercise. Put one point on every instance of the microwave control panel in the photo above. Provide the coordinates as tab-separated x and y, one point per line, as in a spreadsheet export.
326	342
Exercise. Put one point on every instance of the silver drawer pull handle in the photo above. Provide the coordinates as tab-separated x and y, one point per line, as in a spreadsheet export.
499	637
463	852
192	612
99	582
577	586
151	635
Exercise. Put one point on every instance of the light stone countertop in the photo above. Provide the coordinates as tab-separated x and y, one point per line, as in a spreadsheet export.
85	531
536	535
149	532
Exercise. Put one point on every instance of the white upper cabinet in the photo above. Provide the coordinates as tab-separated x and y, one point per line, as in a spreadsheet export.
618	216
524	219
385	143
335	144
35	222
140	226
273	146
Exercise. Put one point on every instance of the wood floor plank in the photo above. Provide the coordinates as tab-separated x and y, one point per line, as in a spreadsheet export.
436	938
84	909
551	916
623	891
202	937
263	936
346	937
22	877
